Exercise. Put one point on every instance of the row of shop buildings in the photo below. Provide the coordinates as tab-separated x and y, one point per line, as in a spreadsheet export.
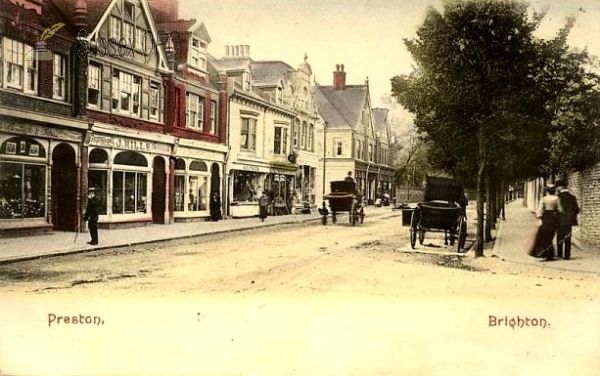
123	96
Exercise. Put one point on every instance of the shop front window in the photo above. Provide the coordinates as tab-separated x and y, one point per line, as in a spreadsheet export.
245	186
197	193
129	192
22	190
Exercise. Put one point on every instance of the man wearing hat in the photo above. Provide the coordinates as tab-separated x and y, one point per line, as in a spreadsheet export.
91	215
567	218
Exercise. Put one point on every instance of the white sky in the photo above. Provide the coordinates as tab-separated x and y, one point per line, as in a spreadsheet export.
364	35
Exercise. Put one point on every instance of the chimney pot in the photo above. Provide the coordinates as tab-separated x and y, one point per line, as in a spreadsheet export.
339	78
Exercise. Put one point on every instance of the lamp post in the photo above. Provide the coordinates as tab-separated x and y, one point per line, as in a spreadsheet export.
324	156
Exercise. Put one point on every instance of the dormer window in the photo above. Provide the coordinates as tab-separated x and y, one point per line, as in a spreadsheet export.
279	95
198	54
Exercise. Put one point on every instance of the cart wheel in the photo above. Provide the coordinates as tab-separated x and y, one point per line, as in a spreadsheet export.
333	217
421	236
462	234
413	230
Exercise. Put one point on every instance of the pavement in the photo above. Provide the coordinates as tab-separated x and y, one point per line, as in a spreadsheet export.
512	235
58	243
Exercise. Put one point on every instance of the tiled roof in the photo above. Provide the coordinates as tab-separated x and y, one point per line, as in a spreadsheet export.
95	10
268	73
230	63
21	16
179	25
380	118
341	108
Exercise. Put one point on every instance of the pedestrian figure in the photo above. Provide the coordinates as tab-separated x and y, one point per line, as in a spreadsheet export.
548	213
215	207
349	177
567	218
262	204
91	215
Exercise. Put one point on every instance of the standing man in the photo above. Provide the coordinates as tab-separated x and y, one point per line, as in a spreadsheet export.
91	215
567	218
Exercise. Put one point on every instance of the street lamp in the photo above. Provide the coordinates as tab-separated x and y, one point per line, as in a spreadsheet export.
324	156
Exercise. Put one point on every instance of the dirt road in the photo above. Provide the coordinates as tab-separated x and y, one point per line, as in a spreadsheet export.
297	300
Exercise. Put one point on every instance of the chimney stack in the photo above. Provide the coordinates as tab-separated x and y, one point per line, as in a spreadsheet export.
339	77
237	51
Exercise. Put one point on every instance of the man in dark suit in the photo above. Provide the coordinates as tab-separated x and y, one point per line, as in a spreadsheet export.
91	215
567	218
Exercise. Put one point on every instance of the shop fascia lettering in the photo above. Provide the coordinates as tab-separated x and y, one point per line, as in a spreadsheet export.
121	143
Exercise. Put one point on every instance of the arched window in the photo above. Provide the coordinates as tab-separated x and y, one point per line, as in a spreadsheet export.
131	158
180	164
98	156
198	166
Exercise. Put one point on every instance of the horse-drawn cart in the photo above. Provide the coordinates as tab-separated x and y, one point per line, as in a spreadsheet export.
344	198
443	210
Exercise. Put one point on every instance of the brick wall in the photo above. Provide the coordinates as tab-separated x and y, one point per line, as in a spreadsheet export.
586	186
126	122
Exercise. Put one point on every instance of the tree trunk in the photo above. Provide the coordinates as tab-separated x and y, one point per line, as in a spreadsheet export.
503	202
489	209
480	195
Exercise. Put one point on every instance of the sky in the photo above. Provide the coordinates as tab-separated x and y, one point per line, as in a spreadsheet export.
364	35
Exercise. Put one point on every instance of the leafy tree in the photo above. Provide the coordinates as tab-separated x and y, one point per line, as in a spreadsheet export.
485	92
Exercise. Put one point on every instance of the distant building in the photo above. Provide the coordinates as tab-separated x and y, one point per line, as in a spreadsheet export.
356	137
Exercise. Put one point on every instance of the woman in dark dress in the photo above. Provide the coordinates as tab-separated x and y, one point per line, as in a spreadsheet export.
543	245
215	207
262	204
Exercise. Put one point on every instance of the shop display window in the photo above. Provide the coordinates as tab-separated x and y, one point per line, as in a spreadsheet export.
22	190
129	192
244	186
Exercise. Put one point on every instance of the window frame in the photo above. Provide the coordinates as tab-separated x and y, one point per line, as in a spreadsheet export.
131	86
248	143
213	117
22	66
194	105
58	79
154	95
98	78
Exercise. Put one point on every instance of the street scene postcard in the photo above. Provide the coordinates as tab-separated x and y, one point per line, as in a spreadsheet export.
299	187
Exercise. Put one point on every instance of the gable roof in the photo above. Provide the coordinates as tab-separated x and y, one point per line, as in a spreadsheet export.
341	108
380	118
269	73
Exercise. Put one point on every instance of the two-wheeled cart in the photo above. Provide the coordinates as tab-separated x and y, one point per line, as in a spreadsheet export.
442	210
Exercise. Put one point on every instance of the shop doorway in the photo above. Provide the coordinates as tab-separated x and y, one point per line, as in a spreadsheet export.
159	183
215	179
64	189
